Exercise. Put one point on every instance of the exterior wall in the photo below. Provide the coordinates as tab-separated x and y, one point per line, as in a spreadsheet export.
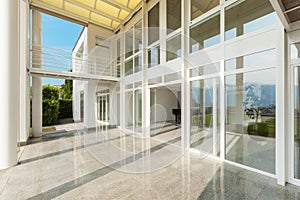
261	40
87	42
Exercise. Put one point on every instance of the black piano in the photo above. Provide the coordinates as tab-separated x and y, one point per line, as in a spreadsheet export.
177	113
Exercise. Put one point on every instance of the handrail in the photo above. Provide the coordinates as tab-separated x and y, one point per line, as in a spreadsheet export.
49	58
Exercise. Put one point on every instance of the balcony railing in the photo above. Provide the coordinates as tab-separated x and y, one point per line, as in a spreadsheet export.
59	61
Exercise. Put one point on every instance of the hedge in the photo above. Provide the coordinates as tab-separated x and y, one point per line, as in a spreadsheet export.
65	108
50	112
50	104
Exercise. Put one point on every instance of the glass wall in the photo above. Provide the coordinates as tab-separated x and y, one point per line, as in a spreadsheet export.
138	110
129	67
248	16
129	43
138	46
103	106
173	15
153	24
129	110
295	54
250	119
205	124
174	48
199	7
154	56
259	59
138	63
206	33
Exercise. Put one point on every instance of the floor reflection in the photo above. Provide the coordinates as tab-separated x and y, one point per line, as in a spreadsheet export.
67	168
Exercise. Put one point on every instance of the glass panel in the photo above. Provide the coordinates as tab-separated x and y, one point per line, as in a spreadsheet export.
250	119
138	63
129	43
154	56
138	111
295	50
129	110
204	70
138	37
248	16
204	116
205	34
173	15
118	51
128	67
260	59
174	48
297	123
199	7
153	21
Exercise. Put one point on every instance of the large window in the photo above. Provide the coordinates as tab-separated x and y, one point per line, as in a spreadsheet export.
248	16
138	110
174	48
295	54
250	119
103	106
264	58
153	24
154	56
134	46
199	7
173	15
138	37
128	67
206	33
129	43
129	110
205	116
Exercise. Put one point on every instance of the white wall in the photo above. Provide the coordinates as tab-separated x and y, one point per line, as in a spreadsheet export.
165	101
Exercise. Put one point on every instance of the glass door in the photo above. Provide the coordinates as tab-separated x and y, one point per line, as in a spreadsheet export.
103	108
295	149
296	138
205	115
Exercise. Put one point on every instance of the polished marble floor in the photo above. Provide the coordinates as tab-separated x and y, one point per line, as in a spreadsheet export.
107	164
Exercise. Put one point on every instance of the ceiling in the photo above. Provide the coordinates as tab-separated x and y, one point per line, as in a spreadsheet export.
288	12
106	13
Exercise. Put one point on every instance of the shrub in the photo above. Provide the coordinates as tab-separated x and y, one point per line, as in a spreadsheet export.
65	108
260	129
50	104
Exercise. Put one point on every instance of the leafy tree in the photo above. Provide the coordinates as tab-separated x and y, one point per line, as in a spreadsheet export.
67	90
254	107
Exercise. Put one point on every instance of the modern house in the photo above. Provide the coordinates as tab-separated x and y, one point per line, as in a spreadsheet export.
223	74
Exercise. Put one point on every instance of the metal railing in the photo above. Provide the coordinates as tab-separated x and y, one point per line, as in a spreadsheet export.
59	60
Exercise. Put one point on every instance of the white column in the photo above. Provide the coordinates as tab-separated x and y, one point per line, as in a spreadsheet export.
9	82
281	88
24	63
145	90
185	85
90	104
36	81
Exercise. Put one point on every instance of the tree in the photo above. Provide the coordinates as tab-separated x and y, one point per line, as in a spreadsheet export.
67	90
252	103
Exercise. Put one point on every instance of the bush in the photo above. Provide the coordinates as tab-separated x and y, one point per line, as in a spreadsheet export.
65	108
50	104
260	129
50	112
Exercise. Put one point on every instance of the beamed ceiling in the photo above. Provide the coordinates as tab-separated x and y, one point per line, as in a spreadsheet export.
106	13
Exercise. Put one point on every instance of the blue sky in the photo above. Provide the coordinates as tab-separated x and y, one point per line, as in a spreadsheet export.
60	34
